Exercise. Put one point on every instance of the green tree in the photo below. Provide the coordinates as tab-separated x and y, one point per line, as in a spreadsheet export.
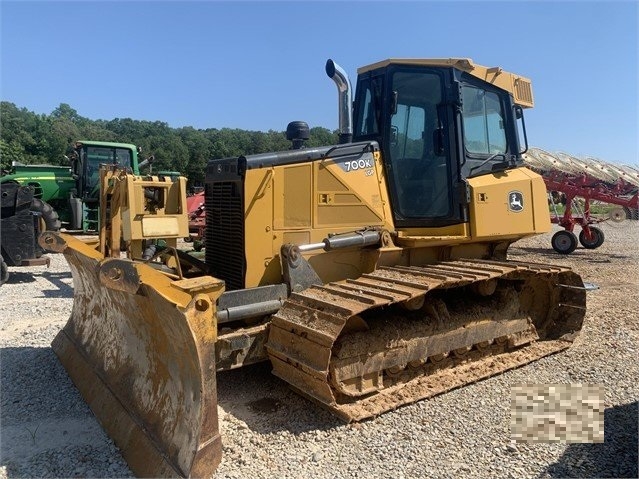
199	149
10	152
27	137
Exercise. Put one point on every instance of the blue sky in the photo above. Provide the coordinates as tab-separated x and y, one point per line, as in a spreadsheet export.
259	65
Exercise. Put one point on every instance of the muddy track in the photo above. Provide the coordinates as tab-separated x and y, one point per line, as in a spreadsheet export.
364	346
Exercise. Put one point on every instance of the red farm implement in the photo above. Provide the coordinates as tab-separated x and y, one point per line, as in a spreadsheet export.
197	219
576	183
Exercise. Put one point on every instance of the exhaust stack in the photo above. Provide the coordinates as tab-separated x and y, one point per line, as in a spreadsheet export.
339	76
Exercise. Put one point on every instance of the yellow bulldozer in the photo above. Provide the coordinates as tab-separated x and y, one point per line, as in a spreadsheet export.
371	273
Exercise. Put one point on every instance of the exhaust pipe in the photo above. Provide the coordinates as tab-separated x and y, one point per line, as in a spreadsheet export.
339	76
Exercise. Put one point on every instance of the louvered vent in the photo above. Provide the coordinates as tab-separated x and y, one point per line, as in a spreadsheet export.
225	232
523	92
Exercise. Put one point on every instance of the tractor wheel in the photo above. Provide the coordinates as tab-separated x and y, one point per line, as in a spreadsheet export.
48	216
595	242
564	242
4	272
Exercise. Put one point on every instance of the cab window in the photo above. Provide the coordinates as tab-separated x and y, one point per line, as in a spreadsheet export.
483	118
108	156
123	157
407	131
368	97
420	171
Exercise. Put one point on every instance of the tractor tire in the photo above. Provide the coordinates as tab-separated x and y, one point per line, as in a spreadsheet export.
49	217
4	272
564	242
595	242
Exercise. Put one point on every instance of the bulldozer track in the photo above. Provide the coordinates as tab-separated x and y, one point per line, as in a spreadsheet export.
364	346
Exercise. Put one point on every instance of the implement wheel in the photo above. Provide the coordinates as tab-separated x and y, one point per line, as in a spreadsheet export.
596	239
617	214
564	242
631	213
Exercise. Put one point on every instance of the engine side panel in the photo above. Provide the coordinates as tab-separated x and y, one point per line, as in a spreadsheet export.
298	202
509	204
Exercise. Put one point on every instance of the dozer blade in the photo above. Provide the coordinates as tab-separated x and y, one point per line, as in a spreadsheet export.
140	348
401	334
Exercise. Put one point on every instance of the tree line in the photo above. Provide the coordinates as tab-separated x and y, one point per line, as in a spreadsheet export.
32	138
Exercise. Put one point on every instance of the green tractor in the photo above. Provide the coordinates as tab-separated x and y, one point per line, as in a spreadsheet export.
69	195
36	198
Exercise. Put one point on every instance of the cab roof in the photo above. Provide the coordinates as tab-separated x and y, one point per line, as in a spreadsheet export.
520	87
108	144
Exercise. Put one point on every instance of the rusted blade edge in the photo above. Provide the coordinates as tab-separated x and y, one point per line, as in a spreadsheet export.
141	454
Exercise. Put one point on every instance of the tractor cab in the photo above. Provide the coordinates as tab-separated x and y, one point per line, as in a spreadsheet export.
439	122
85	164
89	155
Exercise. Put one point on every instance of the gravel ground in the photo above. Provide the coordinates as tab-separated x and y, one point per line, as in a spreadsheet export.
269	431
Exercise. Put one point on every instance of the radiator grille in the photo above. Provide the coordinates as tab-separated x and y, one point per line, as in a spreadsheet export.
225	232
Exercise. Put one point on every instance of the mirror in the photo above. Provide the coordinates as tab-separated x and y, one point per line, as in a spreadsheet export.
521	129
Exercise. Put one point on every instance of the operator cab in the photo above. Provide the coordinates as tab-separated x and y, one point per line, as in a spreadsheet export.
437	122
88	158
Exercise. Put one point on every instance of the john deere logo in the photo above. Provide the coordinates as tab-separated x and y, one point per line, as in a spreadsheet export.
515	201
